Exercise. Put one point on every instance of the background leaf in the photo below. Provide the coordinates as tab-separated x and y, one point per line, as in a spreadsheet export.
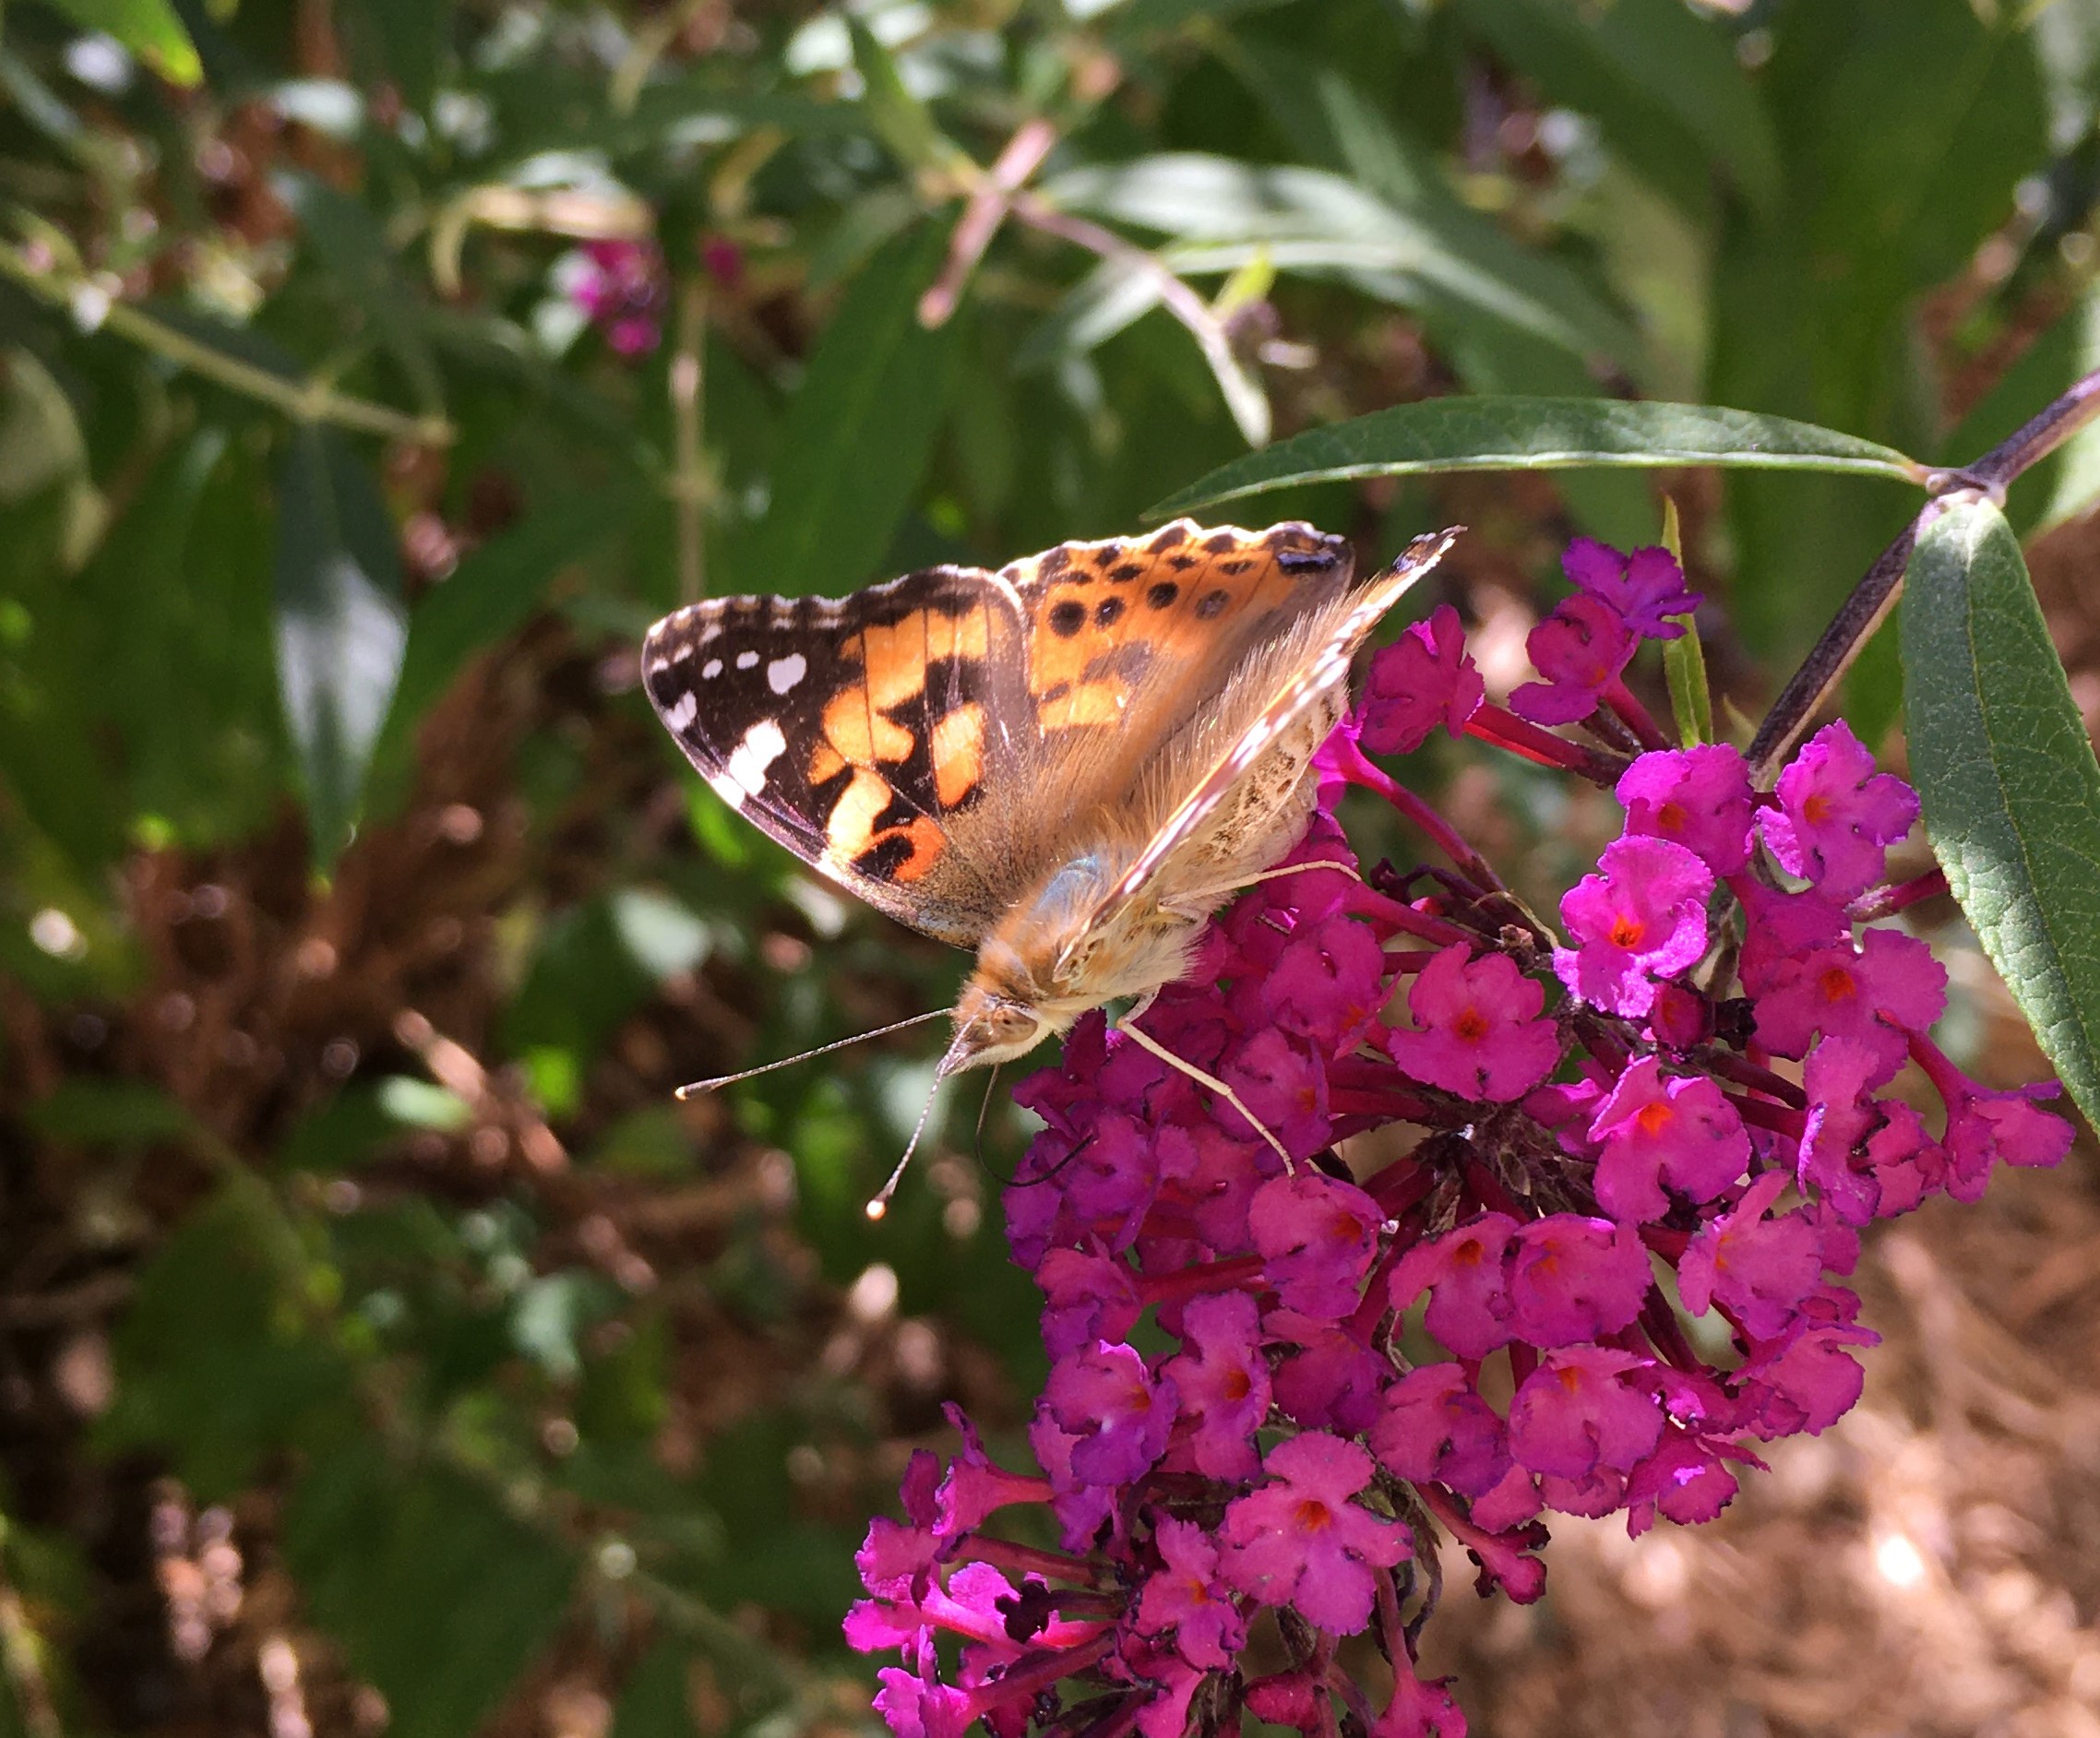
858	432
340	628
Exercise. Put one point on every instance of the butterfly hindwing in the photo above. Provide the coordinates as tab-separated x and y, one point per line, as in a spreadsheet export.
854	731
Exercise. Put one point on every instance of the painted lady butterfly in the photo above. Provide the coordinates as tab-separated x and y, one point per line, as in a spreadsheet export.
1067	765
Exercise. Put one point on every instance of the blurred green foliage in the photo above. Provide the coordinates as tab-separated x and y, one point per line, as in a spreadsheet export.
355	918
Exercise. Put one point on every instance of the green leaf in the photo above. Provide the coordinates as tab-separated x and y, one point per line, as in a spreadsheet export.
438	1596
897	117
654	1702
2011	790
339	626
1310	218
215	1366
360	269
149	29
1527	434
111	1113
858	432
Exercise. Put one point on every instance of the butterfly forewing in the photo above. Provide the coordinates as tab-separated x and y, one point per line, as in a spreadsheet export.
856	732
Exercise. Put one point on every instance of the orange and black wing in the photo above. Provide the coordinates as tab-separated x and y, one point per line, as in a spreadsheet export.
855	731
1129	640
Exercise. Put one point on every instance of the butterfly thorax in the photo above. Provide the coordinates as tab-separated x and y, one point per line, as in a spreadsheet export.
1052	958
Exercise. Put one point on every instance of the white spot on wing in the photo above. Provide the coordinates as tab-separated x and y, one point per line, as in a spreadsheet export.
746	659
710	670
762	744
783	673
682	711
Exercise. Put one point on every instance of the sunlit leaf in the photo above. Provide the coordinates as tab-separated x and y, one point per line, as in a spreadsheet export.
858	432
2006	770
1216	200
1521	433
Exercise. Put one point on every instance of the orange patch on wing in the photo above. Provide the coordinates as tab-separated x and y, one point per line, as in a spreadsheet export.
895	658
860	734
826	764
926	847
850	834
957	754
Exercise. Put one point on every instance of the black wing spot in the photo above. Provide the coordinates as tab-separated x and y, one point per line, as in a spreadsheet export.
1107	555
1306	560
1171	537
1211	603
1239	567
1109	608
1053	562
1220	543
1129	570
1162	595
1182	563
881	861
1068	618
1055	692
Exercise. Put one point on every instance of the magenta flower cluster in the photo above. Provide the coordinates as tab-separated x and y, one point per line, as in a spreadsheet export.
1508	1316
621	287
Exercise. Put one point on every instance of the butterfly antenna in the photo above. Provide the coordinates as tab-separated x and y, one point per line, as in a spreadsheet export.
692	1088
880	1205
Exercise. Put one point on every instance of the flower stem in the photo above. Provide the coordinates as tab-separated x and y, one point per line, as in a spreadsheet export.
309	400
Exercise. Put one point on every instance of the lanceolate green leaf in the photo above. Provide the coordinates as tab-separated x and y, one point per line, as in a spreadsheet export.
857	433
1527	434
2011	790
340	630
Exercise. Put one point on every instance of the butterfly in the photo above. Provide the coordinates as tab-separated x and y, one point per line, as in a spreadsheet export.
1065	766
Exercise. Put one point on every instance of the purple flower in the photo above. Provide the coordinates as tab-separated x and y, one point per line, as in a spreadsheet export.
1580	649
1477	1028
1284	1085
621	287
1119	1416
1435	1426
1327	984
1698	798
1652	1130
1646	588
1643	918
1333	1381
1758	1270
1572	1279
1574	1414
1317	1239
1222	1382
1423	679
1876	995
1837	813
1302	1541
1185	1598
1463	1273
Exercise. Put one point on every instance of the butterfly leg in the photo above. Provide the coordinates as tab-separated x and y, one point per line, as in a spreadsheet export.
1201	1078
1198	903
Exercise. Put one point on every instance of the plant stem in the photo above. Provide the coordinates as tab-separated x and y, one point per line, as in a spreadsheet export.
1877	592
309	400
